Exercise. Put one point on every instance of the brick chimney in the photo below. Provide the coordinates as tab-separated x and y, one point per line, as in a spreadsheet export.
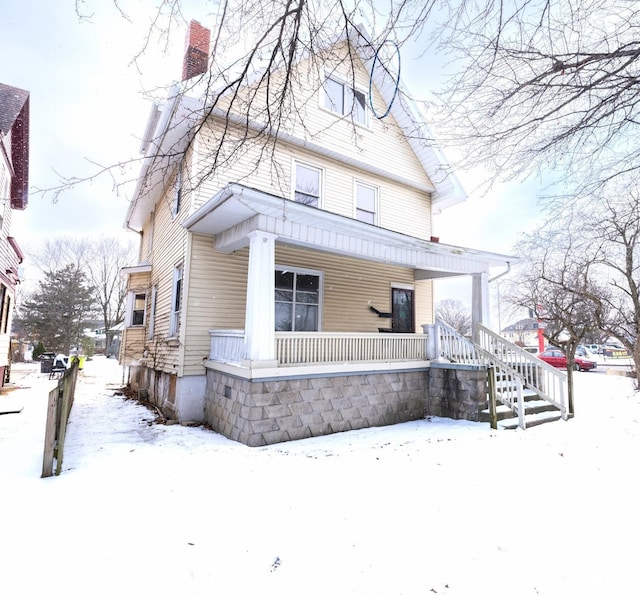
196	53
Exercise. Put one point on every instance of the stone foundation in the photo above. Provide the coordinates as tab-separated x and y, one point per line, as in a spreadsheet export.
261	412
458	393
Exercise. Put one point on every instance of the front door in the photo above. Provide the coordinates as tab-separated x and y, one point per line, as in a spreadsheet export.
402	310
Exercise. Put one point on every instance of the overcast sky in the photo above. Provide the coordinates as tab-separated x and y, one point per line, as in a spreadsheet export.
88	104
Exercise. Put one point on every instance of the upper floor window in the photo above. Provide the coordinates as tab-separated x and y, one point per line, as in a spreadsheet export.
366	203
308	185
343	99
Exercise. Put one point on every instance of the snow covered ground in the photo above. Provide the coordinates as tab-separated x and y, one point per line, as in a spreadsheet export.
434	506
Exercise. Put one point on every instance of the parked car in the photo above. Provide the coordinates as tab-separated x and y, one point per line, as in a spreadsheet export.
584	351
594	348
557	359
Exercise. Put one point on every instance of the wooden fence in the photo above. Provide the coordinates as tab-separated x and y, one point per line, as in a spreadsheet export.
58	410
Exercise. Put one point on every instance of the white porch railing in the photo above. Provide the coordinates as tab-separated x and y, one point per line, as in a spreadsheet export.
227	346
316	348
322	348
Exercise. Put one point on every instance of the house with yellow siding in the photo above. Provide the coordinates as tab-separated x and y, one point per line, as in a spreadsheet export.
284	287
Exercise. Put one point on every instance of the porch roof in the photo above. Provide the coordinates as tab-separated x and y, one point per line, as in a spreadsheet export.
237	210
141	267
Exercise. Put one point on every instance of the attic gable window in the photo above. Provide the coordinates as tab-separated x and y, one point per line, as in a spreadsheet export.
343	99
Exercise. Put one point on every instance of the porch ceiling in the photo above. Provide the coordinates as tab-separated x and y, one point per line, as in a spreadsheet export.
237	210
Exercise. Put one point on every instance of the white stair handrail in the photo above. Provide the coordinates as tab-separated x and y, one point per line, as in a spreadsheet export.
509	360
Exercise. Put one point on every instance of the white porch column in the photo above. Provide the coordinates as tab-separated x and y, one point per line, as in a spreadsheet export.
479	301
259	324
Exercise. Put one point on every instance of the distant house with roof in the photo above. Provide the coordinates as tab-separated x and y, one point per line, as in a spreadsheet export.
523	333
14	194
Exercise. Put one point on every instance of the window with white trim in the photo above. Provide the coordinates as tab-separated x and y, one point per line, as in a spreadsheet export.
366	203
136	308
308	186
345	100
176	301
297	300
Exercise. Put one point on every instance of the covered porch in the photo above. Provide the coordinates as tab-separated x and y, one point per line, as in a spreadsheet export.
240	217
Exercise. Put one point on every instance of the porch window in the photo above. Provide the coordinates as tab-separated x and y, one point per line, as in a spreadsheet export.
297	301
344	99
366	203
176	302
137	308
307	189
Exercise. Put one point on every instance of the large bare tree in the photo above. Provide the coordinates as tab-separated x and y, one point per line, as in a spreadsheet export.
557	280
535	85
100	260
548	86
455	314
615	232
591	260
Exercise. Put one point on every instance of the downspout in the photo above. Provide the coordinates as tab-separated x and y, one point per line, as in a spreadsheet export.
502	274
498	276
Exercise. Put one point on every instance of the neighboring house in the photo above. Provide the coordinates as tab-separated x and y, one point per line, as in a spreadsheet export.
279	307
14	194
523	333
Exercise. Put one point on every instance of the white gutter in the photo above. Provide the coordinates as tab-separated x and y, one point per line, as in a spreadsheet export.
152	148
